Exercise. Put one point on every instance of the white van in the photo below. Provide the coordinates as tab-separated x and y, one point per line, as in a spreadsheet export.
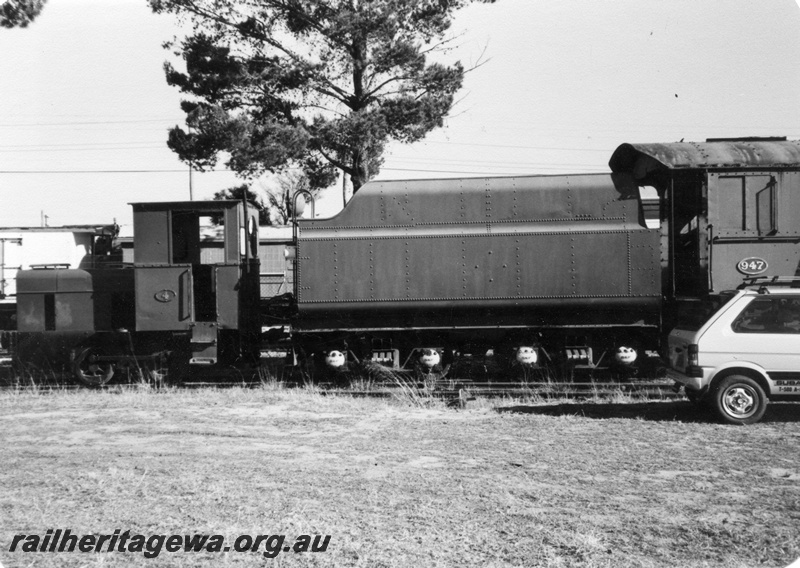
746	353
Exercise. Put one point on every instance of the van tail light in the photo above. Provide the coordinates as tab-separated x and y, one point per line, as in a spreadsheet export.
692	352
693	368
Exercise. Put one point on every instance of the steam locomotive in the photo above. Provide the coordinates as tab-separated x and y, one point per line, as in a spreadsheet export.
586	271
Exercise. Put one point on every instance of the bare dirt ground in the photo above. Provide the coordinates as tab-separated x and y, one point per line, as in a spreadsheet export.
504	484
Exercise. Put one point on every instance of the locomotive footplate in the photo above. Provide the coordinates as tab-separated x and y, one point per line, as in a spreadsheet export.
204	343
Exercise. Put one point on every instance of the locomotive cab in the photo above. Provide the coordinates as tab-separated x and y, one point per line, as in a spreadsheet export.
191	297
189	286
728	212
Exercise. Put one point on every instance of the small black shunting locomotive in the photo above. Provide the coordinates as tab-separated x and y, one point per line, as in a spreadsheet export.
171	308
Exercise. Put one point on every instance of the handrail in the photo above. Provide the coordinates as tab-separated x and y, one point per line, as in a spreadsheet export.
297	194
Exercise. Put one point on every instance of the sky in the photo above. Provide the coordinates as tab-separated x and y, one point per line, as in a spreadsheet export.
85	108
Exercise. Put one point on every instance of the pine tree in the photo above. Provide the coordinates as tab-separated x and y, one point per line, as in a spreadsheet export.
322	85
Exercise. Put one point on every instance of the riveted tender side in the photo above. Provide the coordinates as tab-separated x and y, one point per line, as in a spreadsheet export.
525	259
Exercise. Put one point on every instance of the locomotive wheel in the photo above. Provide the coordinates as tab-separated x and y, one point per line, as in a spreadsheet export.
171	370
89	371
162	369
155	373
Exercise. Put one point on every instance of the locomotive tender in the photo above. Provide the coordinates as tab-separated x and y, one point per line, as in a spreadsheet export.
585	270
574	267
478	264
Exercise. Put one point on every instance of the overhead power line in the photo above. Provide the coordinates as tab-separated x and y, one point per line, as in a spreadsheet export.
183	171
99	149
500	173
75	144
507	171
81	122
448	143
427	162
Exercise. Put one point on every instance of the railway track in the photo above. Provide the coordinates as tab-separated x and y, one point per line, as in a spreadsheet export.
458	387
448	390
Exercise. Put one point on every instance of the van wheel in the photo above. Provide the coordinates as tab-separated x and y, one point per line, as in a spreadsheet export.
740	400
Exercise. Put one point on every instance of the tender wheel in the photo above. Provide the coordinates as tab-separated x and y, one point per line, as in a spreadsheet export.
88	370
523	373
339	376
430	376
740	400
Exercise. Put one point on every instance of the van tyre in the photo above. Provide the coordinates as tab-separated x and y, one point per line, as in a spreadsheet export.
739	400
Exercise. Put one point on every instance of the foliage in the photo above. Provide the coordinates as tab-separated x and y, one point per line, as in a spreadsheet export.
279	199
316	84
19	13
243	191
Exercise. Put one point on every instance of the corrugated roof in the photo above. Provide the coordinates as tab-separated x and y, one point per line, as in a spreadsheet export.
743	153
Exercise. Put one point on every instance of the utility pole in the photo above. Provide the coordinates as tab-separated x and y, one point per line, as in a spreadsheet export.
191	192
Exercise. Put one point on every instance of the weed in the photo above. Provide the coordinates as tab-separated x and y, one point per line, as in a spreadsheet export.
397	485
270	374
411	392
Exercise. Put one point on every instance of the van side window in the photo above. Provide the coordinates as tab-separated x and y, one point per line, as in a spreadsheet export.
769	315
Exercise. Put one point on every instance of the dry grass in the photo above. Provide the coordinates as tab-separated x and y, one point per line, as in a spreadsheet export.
590	484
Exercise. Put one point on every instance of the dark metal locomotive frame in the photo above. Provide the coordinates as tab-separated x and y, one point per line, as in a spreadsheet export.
478	264
169	310
580	270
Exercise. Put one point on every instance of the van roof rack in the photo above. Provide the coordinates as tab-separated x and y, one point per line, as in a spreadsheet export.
765	282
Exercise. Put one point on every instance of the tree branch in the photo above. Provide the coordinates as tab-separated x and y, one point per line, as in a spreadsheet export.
336	162
372	93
